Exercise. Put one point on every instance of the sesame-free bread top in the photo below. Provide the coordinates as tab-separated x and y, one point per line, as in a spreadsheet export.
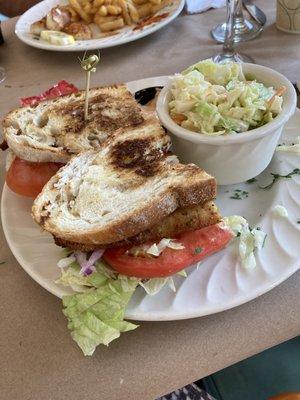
119	191
54	130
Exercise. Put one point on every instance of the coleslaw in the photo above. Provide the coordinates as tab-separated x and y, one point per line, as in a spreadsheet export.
217	99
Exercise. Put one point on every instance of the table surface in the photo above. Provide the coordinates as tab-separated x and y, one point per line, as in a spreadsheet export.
38	359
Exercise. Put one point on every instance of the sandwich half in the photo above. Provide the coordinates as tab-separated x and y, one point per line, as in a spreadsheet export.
130	190
130	214
44	136
129	194
54	130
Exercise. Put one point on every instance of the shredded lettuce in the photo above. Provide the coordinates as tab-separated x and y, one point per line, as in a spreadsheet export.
155	249
216	99
97	316
217	74
154	285
250	240
280	211
182	273
292	148
96	311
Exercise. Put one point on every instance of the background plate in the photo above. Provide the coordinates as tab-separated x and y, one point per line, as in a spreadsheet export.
125	35
220	282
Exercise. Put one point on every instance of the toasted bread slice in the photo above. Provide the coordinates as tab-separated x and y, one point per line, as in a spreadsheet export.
54	130
126	187
180	221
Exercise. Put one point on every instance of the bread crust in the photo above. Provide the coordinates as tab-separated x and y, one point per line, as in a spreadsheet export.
180	221
138	221
33	154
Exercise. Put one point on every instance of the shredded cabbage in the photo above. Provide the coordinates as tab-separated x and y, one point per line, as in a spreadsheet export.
155	249
216	99
293	148
154	285
280	211
250	240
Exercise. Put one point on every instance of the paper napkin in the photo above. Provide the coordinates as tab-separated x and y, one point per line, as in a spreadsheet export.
198	6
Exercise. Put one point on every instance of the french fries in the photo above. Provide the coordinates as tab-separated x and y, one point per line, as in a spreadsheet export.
140	2
102	11
118	23
155	2
125	12
144	10
114	10
133	12
102	20
79	9
111	15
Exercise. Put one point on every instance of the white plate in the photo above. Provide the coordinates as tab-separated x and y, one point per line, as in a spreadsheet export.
220	282
124	35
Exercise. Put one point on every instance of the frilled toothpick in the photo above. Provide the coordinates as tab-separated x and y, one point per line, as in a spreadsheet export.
89	65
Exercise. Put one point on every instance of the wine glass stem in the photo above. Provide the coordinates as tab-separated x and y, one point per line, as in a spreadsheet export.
228	47
238	17
238	11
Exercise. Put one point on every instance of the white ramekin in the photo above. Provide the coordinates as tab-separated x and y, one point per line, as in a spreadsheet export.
233	158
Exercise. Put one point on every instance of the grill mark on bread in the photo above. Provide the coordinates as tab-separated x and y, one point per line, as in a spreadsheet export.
71	132
99	108
134	154
4	145
135	202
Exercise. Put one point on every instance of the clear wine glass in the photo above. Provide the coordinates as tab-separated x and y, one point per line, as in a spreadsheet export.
244	29
229	53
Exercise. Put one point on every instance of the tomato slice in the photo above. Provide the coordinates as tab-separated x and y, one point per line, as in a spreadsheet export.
28	178
197	245
62	88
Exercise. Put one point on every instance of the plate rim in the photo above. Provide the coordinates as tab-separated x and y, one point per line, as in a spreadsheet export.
95	46
154	315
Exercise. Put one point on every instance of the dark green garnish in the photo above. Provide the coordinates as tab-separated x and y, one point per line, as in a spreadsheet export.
198	250
298	222
2	262
263	245
276	177
252	180
238	234
239	194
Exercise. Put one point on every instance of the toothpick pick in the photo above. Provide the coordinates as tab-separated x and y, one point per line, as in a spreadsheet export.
89	65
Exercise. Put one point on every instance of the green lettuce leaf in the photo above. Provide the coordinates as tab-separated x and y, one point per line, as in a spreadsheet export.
96	312
218	74
97	315
154	285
